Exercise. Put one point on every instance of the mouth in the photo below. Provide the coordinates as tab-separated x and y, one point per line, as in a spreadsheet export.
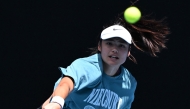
114	57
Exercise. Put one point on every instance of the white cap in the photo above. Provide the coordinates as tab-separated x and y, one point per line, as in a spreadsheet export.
116	31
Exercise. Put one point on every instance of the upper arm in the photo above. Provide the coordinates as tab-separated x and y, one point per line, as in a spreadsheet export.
69	81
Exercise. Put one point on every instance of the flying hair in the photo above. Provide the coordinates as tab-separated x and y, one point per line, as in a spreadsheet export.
133	3
148	35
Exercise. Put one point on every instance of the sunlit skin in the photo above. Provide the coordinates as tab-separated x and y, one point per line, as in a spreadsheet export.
114	52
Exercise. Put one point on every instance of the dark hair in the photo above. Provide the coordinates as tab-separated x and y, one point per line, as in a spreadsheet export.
148	35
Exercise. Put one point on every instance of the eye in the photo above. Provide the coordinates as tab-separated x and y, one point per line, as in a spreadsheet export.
122	46
109	43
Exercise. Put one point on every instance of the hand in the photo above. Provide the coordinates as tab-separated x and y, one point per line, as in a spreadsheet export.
52	106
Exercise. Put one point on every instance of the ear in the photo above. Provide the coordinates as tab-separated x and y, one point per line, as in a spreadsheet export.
99	46
129	53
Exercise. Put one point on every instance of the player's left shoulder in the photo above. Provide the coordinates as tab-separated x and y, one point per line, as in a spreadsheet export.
127	73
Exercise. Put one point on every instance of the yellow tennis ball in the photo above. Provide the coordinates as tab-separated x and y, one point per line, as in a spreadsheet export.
132	14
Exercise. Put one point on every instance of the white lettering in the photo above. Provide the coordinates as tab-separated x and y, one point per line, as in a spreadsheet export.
104	98
91	95
104	101
95	98
115	101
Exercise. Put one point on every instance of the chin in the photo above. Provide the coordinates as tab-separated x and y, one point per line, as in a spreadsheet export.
114	64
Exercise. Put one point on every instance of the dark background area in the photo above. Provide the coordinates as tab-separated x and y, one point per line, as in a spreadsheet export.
36	37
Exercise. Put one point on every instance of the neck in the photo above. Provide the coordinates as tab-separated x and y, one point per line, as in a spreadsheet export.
110	70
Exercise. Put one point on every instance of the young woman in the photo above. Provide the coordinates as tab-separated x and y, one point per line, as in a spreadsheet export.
100	81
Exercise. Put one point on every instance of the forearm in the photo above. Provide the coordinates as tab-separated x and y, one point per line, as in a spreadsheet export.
64	88
46	102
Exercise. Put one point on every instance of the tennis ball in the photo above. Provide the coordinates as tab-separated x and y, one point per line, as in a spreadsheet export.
132	14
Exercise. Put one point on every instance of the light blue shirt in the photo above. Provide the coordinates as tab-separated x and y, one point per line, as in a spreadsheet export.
93	89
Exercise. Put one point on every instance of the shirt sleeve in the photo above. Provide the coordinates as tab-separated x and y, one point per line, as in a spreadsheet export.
84	73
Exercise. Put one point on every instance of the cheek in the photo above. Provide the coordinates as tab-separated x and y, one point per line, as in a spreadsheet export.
124	58
125	55
103	52
104	49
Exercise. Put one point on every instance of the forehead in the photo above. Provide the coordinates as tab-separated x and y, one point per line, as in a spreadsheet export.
116	39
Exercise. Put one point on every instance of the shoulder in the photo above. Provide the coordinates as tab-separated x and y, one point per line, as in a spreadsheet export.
125	71
86	71
128	78
86	65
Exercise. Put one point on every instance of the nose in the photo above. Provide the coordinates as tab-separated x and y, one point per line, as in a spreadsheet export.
115	50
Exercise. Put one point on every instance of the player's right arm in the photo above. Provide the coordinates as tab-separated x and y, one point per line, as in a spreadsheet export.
46	102
63	89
